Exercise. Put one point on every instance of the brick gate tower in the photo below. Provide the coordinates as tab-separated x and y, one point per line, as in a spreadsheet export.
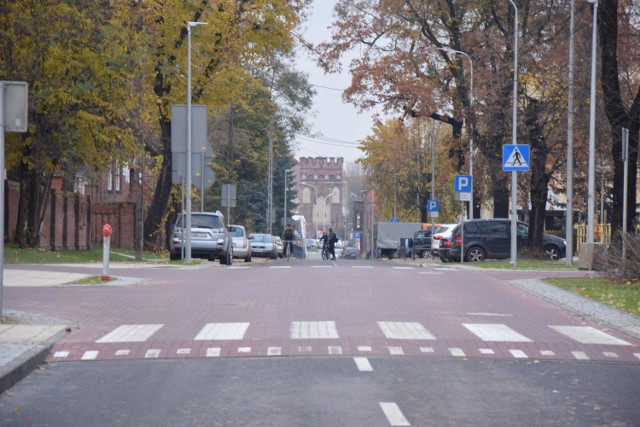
320	187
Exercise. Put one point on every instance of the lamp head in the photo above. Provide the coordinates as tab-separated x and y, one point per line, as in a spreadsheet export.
195	24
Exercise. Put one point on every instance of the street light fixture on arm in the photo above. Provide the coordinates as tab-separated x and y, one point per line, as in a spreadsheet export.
471	102
187	223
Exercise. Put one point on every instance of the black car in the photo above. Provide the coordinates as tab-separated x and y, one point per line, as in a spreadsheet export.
491	238
422	243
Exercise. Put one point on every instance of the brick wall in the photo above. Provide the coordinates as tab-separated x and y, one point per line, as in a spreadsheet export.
72	222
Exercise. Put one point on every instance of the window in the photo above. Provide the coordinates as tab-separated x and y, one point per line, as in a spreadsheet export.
110	180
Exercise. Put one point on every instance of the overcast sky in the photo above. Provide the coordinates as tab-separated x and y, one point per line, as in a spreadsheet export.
340	125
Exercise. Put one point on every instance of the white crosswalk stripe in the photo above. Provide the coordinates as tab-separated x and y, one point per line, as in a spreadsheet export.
405	331
222	331
130	333
313	330
495	332
588	335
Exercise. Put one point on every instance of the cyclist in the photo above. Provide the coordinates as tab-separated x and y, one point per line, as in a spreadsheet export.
325	245
332	240
287	238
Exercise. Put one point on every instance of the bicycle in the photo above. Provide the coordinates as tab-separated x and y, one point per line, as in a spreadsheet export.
288	248
325	252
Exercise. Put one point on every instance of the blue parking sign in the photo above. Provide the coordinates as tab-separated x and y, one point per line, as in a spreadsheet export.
463	184
433	205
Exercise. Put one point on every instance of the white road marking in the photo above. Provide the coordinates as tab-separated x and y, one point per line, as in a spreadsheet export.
396	351
280	266
321	266
518	354
89	355
580	355
363	364
130	333
362	266
184	351
153	353
394	414
222	331
123	352
637	355
486	351
274	351
495	332
313	330
457	352
490	314
239	267
430	272
61	354
364	348
610	354
244	349
305	349
588	335
547	353
403	268
426	349
405	331
213	352
335	349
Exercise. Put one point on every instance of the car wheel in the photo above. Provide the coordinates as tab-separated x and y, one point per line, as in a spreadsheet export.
552	252
274	255
444	259
247	258
475	254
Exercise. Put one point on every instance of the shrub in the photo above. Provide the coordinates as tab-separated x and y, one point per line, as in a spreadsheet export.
614	265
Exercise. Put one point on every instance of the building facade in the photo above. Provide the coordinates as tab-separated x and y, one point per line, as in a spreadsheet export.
320	187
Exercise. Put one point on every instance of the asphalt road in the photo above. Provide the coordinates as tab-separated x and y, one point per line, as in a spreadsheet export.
317	343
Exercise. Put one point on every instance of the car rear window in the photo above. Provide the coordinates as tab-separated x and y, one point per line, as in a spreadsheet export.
236	231
205	221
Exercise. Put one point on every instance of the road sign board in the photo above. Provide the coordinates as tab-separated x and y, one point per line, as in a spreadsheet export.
463	184
515	158
433	205
394	219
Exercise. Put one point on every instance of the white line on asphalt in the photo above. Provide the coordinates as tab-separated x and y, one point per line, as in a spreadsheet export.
130	333
588	335
244	349
495	332
518	354
426	349
89	355
213	352
396	351
363	364
405	331
153	353
61	354
122	352
274	351
313	330
610	354
547	353
305	349
490	314
457	352
403	268
486	351
222	331
580	355
321	266
362	266
430	272
239	267
280	266
394	414
364	348
184	351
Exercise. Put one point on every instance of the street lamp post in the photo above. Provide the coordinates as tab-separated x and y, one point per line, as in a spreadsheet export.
592	129
188	219
471	102
514	138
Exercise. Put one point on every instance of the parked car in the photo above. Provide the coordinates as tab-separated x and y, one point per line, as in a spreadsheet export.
279	246
442	232
209	237
350	253
443	249
491	238
422	242
241	242
263	245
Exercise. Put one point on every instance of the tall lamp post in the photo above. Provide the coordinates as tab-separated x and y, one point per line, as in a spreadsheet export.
471	102
315	200
514	139
592	129
188	221
569	215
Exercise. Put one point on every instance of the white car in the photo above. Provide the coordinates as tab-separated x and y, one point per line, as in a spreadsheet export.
442	232
241	242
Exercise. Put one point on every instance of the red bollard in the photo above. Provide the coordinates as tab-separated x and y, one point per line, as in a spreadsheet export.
106	233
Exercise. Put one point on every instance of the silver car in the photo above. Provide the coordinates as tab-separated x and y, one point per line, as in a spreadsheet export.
209	237
241	242
263	245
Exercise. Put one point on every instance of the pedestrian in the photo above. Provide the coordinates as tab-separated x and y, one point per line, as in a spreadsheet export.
332	240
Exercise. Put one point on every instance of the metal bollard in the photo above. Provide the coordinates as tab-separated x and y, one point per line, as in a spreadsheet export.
106	242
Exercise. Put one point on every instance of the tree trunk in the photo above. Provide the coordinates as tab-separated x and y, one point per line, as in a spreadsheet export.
617	115
158	208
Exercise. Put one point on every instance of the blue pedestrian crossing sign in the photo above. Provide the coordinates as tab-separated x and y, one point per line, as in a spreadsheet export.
515	158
